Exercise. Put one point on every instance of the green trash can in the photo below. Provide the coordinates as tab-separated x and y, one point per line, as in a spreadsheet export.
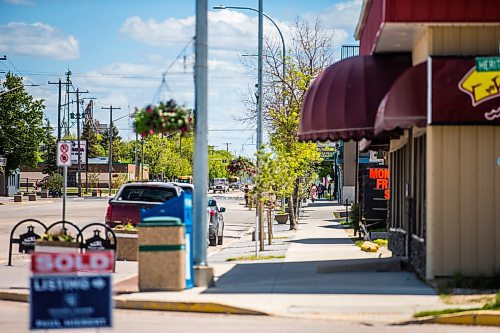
161	254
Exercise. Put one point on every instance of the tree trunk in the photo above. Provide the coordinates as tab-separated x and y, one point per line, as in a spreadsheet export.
291	215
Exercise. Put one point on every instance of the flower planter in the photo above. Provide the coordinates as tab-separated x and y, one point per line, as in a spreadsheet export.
281	218
56	246
18	198
126	245
32	197
44	194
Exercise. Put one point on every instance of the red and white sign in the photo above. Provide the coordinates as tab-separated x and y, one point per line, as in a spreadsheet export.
57	263
63	153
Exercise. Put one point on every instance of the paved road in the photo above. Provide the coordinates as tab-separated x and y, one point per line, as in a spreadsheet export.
14	319
238	219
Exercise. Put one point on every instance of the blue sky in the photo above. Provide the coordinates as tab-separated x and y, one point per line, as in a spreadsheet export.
117	50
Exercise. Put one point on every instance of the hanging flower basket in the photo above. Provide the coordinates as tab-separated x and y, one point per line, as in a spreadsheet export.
165	118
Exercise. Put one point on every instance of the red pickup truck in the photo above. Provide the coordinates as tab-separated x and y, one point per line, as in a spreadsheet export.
125	206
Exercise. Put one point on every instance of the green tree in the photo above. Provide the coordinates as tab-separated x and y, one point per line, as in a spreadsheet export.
217	162
21	124
49	150
94	146
309	53
118	148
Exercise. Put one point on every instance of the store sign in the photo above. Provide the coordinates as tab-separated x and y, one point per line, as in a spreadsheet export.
70	301
380	180
57	263
463	95
74	151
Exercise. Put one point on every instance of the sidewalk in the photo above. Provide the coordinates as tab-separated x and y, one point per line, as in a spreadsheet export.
286	287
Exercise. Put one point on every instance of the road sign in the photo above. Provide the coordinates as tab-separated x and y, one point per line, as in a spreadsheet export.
70	301
92	261
487	64
63	153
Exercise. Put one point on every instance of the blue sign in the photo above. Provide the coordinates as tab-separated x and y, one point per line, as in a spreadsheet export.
70	301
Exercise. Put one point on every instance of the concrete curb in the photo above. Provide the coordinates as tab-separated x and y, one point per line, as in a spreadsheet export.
200	307
203	307
476	317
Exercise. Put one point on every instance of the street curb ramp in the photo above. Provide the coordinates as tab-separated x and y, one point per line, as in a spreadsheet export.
201	307
471	318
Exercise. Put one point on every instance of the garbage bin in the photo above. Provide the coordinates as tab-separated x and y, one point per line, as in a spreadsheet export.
161	254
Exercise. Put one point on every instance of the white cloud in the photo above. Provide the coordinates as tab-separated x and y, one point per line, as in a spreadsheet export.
341	16
228	30
37	39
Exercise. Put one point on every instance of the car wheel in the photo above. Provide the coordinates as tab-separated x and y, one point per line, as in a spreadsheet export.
220	239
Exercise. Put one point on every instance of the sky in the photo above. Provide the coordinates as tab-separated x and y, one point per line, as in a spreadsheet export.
118	51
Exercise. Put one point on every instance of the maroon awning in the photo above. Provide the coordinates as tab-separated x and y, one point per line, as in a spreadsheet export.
405	104
342	101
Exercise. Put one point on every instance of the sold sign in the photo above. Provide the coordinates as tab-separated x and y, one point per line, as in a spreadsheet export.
92	261
63	151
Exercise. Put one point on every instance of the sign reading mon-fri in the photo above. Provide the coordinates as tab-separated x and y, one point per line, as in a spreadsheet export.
63	153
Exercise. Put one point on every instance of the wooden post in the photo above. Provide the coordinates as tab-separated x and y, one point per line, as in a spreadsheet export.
261	225
269	227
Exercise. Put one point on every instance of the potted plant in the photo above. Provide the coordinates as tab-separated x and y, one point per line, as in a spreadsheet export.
281	216
18	197
165	118
58	241
126	242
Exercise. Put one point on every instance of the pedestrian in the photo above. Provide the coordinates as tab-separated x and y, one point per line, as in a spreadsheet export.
313	192
330	190
320	191
247	190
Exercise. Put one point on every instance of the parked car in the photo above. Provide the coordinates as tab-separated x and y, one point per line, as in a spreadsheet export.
184	186
216	223
125	206
221	185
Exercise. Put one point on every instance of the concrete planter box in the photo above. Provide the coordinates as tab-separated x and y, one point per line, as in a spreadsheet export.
44	194
126	245
281	218
18	198
32	197
56	246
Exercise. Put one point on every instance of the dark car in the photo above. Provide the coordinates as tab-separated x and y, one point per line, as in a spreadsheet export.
216	223
125	206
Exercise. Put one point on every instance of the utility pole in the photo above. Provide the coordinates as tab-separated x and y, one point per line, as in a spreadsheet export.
68	83
59	105
136	173
203	274
259	219
110	164
227	145
78	92
58	109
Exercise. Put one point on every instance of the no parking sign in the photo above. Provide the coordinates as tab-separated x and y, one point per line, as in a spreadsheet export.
63	153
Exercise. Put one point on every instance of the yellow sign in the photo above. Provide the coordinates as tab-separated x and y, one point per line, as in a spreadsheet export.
480	86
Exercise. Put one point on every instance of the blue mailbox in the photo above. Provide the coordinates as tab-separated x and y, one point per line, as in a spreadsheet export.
181	207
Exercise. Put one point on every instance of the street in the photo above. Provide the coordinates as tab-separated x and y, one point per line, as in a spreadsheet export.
14	319
83	211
